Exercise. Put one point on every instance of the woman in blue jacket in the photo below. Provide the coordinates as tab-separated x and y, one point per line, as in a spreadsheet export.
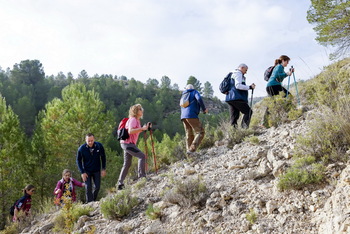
274	84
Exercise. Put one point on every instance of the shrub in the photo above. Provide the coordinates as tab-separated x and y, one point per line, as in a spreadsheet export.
305	171
251	216
153	212
69	215
252	139
329	135
119	205
187	193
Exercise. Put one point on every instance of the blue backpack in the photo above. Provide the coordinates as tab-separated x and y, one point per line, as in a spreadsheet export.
225	85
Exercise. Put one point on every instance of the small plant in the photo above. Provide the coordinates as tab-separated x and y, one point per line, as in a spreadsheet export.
252	139
140	183
187	193
69	215
251	216
304	171
153	212
119	205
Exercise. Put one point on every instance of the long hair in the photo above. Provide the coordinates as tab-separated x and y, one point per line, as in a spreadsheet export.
134	109
281	58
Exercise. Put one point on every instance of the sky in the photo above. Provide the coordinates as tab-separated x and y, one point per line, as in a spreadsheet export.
144	39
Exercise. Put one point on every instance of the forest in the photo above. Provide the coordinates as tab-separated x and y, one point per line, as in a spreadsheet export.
44	119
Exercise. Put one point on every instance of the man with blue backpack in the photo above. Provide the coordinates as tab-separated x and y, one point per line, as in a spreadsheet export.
237	97
191	102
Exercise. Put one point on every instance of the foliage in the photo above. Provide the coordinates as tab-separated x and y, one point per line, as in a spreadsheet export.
208	90
69	215
13	160
153	212
304	171
252	139
118	205
251	216
169	150
332	23
187	193
196	83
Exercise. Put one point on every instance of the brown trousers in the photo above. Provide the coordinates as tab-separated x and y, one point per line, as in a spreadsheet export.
194	133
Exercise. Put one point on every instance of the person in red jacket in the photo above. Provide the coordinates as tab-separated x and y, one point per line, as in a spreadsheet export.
24	203
66	187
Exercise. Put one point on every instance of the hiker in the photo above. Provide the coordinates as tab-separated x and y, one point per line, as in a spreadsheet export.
91	159
237	97
133	125
189	117
274	84
65	188
24	203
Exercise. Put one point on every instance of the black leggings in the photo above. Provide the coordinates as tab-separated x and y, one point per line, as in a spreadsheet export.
275	90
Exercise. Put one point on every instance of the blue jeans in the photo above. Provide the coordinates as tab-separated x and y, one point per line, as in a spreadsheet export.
96	177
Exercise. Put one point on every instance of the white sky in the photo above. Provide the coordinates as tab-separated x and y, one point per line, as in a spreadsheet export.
152	38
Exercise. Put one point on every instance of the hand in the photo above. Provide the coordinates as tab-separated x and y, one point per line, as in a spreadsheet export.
252	86
205	111
103	173
58	191
84	176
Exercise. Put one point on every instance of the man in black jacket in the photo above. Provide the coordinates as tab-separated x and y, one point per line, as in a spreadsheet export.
90	156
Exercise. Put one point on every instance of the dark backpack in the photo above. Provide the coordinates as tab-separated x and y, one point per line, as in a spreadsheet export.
122	132
268	73
12	209
225	84
185	100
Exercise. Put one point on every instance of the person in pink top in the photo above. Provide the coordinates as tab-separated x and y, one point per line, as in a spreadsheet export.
133	125
66	187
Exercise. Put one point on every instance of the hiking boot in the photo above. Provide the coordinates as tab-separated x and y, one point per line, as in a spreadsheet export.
121	186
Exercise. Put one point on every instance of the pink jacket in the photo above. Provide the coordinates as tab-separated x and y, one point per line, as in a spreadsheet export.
72	183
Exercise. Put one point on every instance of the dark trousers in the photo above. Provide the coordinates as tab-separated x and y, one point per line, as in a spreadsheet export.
92	195
236	107
129	151
275	90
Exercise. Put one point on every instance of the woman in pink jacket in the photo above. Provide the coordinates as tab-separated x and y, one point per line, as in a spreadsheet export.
66	187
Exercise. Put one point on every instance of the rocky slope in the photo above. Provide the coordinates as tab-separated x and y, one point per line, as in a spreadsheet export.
238	180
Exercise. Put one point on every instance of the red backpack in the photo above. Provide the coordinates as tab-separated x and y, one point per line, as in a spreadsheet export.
122	132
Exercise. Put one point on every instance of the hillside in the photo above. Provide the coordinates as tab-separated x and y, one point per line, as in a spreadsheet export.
241	183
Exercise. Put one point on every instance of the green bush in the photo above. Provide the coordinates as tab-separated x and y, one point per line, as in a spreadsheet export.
251	216
119	205
153	212
187	193
305	171
252	139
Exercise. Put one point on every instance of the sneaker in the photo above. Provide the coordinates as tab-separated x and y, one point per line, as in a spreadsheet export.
121	186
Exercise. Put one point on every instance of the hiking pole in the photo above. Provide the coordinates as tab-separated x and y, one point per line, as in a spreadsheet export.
146	149
288	84
296	89
154	154
251	105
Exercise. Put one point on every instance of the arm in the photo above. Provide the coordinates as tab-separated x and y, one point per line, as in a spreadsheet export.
80	161
57	190
132	129
78	183
200	101
279	73
239	81
103	157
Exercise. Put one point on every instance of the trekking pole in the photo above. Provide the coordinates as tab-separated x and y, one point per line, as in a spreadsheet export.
251	104
288	85
296	89
146	149
154	154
